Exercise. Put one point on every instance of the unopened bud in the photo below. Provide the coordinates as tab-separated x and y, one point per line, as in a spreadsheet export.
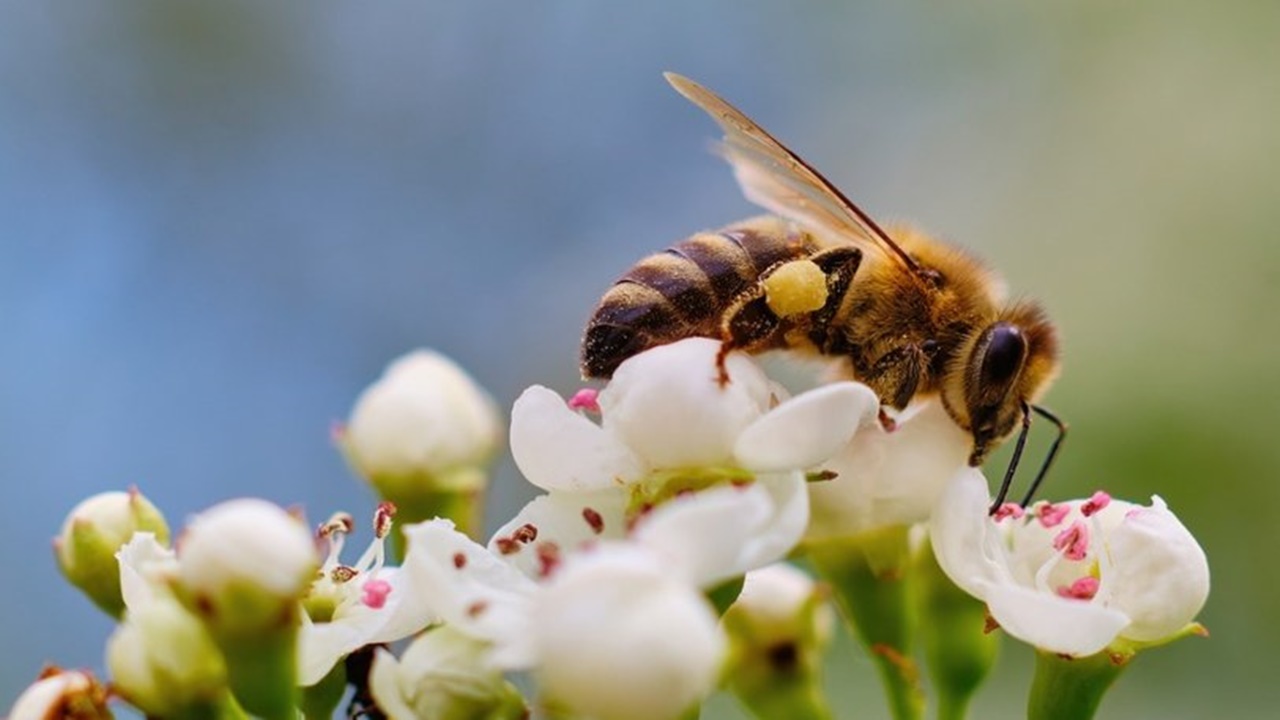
163	661
445	675
62	694
93	532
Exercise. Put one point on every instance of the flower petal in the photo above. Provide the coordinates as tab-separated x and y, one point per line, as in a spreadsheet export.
725	532
563	522
144	565
807	429
965	540
384	685
668	405
1159	575
558	449
465	585
1061	625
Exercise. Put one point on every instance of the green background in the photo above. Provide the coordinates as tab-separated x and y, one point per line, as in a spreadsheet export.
218	221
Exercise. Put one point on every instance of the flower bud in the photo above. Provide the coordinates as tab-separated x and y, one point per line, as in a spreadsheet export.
243	568
618	638
62	694
93	532
423	435
243	562
163	661
445	675
779	628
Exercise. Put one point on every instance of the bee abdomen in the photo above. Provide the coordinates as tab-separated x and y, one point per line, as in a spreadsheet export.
681	292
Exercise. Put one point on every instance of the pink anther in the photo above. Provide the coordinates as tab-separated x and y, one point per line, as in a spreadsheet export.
1009	510
1096	502
585	399
1051	515
1082	589
1074	541
374	593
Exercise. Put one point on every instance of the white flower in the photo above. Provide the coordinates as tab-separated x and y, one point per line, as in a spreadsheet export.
1076	577
243	561
670	430
666	410
889	478
781	604
445	675
424	416
350	606
62	694
617	637
610	618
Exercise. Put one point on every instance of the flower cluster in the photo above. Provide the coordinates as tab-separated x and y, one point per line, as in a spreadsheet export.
644	577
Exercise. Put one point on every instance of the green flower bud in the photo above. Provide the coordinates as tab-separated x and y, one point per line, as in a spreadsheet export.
163	661
93	532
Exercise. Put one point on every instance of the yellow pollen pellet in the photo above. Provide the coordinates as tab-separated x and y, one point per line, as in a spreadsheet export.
796	287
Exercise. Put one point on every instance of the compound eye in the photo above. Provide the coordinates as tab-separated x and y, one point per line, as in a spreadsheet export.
1005	350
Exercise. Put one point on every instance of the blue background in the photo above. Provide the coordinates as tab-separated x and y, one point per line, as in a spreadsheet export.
218	221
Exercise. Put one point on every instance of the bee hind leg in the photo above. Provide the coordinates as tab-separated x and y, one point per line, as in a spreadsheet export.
749	324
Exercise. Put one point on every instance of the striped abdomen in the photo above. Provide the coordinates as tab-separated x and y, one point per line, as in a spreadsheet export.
684	291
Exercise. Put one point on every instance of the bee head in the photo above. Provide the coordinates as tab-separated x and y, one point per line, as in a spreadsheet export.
1001	366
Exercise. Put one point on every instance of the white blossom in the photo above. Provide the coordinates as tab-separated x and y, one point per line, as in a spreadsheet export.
886	478
424	417
350	606
62	693
444	674
243	560
669	429
1075	577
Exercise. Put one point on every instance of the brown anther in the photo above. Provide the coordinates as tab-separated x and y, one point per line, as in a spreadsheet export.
821	476
989	625
342	574
507	546
459	560
339	522
476	608
594	520
525	534
382	519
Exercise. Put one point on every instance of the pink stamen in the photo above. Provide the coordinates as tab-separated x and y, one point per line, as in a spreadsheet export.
1051	515
585	399
1074	541
1096	502
374	593
1082	589
1009	510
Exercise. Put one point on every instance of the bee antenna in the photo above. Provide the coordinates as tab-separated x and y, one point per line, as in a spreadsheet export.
1051	456
1013	462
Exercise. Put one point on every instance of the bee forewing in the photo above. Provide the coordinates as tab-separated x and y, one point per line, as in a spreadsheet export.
776	179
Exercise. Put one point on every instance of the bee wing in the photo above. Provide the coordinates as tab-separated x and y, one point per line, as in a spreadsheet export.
776	179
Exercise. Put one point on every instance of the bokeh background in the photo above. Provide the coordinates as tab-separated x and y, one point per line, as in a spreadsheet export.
218	221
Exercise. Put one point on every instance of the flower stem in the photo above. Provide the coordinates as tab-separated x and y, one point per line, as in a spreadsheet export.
464	507
959	650
1067	688
794	697
869	576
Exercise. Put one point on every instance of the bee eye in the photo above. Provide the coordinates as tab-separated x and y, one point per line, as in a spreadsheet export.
1003	355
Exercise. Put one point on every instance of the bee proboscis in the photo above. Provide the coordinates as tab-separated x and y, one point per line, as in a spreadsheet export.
906	314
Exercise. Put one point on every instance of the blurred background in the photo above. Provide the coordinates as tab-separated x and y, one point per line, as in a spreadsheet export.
218	221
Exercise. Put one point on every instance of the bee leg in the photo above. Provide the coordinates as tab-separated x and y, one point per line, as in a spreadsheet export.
886	422
839	264
747	325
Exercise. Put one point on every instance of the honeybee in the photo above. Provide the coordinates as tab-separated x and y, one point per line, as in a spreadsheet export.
906	314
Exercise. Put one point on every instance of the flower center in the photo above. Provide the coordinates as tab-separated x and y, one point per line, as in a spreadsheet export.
333	592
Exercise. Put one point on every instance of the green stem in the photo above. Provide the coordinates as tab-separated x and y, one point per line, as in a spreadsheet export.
1070	688
869	576
464	507
958	648
262	673
796	697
